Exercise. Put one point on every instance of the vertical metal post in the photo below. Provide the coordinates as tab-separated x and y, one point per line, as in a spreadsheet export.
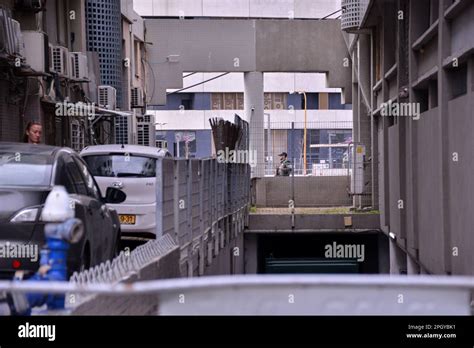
189	203
201	196
176	200
293	161
159	197
372	142
267	158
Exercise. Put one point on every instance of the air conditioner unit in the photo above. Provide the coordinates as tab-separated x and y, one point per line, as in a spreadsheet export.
107	97
50	58
18	44
78	64
123	129
36	50
146	130
7	38
136	99
61	61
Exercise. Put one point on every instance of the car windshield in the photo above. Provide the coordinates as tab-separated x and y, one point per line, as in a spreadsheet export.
121	165
20	169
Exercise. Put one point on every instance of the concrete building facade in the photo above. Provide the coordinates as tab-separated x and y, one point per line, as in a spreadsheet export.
38	70
413	77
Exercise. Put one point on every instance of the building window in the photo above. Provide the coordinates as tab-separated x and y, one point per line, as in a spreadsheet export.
227	101
328	147
275	101
323	101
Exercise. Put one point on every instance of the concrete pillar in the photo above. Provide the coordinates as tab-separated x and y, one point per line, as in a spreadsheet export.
398	260
253	104
383	253
250	253
412	266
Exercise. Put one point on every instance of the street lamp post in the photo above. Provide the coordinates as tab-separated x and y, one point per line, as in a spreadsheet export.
305	131
305	128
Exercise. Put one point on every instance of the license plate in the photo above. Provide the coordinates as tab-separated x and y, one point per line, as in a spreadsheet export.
127	219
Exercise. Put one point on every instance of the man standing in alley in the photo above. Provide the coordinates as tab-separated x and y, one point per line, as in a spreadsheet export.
284	169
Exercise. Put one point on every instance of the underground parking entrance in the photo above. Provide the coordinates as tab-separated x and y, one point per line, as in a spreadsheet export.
316	253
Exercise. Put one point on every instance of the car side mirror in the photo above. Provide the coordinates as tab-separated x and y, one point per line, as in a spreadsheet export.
114	195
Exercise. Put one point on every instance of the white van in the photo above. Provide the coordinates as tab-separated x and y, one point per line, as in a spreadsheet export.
132	169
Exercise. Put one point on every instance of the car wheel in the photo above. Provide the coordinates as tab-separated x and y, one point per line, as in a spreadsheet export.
85	259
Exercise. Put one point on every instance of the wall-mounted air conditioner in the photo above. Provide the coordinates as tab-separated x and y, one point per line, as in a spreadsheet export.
61	61
7	38
50	58
352	13
107	97
146	130
78	64
36	50
136	99
18	43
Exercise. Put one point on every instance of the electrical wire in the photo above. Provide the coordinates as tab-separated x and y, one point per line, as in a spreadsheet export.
325	17
197	84
153	78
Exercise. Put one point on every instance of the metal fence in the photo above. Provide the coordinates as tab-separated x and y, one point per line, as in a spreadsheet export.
194	195
326	147
328	169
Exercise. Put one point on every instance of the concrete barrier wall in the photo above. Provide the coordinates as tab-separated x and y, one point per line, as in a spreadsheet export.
312	222
310	191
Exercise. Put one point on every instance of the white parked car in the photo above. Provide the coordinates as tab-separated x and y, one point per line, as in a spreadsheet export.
132	169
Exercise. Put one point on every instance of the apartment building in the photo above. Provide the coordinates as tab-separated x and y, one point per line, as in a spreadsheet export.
413	101
73	65
45	68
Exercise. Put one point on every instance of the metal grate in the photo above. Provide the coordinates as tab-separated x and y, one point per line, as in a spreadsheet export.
60	60
125	264
136	99
107	97
104	28
122	130
143	134
352	13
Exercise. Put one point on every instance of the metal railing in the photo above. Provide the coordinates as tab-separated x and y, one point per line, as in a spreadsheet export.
272	294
